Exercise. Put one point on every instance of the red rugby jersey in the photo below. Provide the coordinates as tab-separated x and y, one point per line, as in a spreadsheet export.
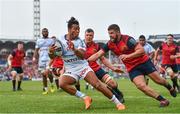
90	50
18	57
57	62
167	51
178	59
125	46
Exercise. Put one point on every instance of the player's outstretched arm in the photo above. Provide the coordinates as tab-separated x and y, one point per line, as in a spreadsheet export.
107	63
9	61
156	56
95	56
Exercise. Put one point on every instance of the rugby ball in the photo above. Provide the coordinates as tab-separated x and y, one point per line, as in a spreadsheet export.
58	48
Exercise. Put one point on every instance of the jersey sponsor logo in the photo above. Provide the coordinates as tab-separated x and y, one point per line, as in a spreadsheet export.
68	72
72	60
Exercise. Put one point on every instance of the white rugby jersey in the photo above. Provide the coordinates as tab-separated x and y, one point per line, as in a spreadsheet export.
43	45
148	48
70	59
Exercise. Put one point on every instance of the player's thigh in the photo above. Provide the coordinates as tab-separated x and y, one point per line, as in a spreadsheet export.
92	79
20	72
156	77
14	72
43	68
170	71
66	80
21	75
139	81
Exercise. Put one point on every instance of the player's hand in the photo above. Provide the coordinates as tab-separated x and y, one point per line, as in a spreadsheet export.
71	45
124	57
172	57
118	70
52	48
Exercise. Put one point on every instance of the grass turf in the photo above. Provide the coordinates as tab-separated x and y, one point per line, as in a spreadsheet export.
31	100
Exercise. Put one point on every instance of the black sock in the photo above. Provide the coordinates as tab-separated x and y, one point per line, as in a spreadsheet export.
115	91
19	84
147	81
168	86
14	84
175	84
87	86
118	91
50	78
160	98
44	81
57	83
77	87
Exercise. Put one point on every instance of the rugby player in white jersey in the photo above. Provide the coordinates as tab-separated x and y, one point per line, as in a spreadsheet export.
149	50
76	67
41	55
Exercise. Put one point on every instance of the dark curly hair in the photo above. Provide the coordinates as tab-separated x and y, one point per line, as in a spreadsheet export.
72	21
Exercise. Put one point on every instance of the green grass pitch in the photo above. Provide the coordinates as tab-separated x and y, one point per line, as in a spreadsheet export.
31	100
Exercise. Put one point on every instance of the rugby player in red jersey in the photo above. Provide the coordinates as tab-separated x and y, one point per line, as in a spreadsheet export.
15	62
169	54
136	61
56	65
178	60
91	48
178	64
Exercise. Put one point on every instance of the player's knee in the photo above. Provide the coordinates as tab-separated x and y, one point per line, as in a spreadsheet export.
112	84
141	86
98	85
13	77
161	81
107	79
170	71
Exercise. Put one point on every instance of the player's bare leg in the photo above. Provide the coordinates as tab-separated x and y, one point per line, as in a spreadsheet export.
45	88
173	76
113	86
66	82
93	80
14	73
159	80
20	78
140	83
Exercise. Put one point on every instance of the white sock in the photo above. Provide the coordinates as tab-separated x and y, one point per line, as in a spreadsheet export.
79	94
115	100
45	88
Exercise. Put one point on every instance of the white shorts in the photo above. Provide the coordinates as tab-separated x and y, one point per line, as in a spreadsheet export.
79	72
43	65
